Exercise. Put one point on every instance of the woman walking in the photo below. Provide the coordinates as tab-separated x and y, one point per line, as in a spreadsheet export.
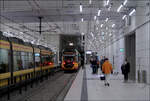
107	70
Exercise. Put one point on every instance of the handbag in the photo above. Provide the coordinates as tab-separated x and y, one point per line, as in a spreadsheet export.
102	77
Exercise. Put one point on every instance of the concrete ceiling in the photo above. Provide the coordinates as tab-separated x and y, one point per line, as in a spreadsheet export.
60	16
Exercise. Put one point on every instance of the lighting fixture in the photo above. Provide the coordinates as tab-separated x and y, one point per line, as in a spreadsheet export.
132	12
94	17
90	1
80	8
119	8
106	28
82	33
125	2
82	19
124	17
109	8
92	34
110	34
99	11
113	25
107	3
106	19
70	44
101	25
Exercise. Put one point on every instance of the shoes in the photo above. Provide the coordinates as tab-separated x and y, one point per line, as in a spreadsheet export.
106	84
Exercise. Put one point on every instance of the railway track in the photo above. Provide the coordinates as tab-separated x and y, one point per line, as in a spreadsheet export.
49	90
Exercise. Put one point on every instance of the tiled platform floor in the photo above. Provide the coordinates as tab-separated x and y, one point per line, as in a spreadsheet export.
117	91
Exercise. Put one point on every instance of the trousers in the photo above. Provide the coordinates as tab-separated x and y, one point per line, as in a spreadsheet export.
107	77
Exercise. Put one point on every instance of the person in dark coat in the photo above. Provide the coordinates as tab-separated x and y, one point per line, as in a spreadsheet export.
94	65
102	61
82	62
125	68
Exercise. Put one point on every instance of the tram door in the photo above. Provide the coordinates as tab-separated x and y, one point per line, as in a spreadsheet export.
130	53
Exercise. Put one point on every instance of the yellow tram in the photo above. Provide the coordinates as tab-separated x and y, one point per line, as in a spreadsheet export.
70	60
18	58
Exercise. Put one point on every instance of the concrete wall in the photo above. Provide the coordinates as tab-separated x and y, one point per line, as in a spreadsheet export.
112	52
140	24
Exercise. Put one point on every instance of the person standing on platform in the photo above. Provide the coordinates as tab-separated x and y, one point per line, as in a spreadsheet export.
107	70
125	68
97	64
93	62
102	61
82	62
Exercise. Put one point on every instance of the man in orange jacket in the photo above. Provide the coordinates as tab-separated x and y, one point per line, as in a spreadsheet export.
107	69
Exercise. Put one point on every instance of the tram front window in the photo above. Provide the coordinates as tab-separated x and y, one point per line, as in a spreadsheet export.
4	60
69	58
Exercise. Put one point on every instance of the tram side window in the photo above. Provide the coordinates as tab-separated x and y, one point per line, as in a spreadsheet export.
53	59
22	60
37	59
4	58
27	60
30	60
46	59
17	61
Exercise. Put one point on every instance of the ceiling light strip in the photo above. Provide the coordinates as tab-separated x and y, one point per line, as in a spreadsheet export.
107	3
99	12
124	17
118	10
90	1
82	19
132	12
113	25
80	8
95	17
106	19
125	2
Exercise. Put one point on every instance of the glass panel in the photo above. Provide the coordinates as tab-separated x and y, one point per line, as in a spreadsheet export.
31	60
17	61
69	58
22	60
4	58
46	60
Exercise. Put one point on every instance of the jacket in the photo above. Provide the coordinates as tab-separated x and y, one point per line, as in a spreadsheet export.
107	67
125	68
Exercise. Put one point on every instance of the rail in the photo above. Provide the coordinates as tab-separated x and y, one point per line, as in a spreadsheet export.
20	81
